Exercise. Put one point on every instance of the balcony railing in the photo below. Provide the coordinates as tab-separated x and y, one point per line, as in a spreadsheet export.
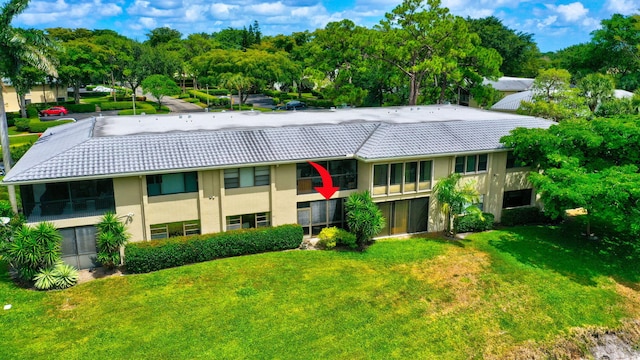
50	210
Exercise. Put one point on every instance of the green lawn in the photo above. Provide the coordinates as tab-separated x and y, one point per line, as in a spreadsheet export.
484	297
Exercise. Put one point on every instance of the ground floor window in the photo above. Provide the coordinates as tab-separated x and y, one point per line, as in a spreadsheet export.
405	216
79	246
314	216
248	221
517	198
179	228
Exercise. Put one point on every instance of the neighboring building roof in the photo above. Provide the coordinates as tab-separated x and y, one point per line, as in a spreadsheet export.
507	83
622	94
128	145
512	102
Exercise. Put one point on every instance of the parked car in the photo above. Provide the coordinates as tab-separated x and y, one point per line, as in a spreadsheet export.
55	110
295	105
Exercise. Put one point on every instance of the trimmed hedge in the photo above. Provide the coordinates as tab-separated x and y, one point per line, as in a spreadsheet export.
81	108
319	103
142	257
214	101
473	222
22	124
117	105
528	215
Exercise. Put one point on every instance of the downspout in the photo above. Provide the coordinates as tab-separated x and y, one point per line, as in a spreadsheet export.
143	216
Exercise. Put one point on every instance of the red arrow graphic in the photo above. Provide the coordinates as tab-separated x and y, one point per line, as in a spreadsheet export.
327	189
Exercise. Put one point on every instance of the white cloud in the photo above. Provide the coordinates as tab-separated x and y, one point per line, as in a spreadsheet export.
624	7
550	20
148	23
145	8
72	15
268	9
572	12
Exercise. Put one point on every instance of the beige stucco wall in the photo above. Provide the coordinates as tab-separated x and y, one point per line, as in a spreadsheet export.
212	203
36	95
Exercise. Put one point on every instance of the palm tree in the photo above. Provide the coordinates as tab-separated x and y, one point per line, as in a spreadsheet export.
237	82
454	198
19	47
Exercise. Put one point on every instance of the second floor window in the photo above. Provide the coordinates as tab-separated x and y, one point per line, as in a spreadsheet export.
246	177
166	184
471	163
401	177
344	174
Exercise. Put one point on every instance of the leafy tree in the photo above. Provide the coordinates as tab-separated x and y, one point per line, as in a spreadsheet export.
19	48
82	61
518	50
112	236
588	164
160	86
596	88
455	198
242	84
162	35
364	218
553	97
618	46
423	39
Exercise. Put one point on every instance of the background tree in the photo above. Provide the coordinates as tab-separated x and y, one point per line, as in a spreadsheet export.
160	86
364	218
618	43
519	52
19	47
454	199
422	39
595	89
162	35
553	97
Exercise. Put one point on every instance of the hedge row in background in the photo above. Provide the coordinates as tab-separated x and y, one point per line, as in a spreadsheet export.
213	100
141	257
528	215
474	223
80	108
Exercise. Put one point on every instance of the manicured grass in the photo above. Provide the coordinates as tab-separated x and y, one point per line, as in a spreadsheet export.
22	139
425	298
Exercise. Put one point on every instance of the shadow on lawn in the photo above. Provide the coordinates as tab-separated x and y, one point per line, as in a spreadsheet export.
563	250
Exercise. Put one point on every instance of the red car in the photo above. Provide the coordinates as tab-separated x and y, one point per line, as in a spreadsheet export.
54	110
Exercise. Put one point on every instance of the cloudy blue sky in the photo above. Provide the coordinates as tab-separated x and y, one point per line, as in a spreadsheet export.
555	24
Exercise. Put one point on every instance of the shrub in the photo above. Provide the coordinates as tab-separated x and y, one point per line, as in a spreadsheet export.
364	218
81	108
140	108
319	103
112	235
11	118
332	236
32	112
528	215
40	127
472	222
141	257
59	276
117	105
33	249
22	124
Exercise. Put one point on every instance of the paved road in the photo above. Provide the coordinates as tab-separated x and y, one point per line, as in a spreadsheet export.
179	106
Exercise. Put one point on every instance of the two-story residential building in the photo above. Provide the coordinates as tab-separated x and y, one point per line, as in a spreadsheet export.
210	172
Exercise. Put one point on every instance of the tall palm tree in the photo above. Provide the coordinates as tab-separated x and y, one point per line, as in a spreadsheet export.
20	47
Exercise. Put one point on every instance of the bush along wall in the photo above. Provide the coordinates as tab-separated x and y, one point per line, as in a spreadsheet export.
142	257
473	223
528	215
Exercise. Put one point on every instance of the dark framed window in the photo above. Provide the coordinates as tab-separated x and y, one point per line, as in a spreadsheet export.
380	175
471	163
176	183
344	174
517	198
396	174
314	216
247	177
425	170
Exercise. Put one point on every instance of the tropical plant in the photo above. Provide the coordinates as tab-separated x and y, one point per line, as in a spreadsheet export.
112	235
364	218
454	199
33	249
19	47
58	276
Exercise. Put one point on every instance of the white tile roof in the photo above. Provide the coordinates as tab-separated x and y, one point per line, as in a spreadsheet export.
512	102
507	83
124	146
